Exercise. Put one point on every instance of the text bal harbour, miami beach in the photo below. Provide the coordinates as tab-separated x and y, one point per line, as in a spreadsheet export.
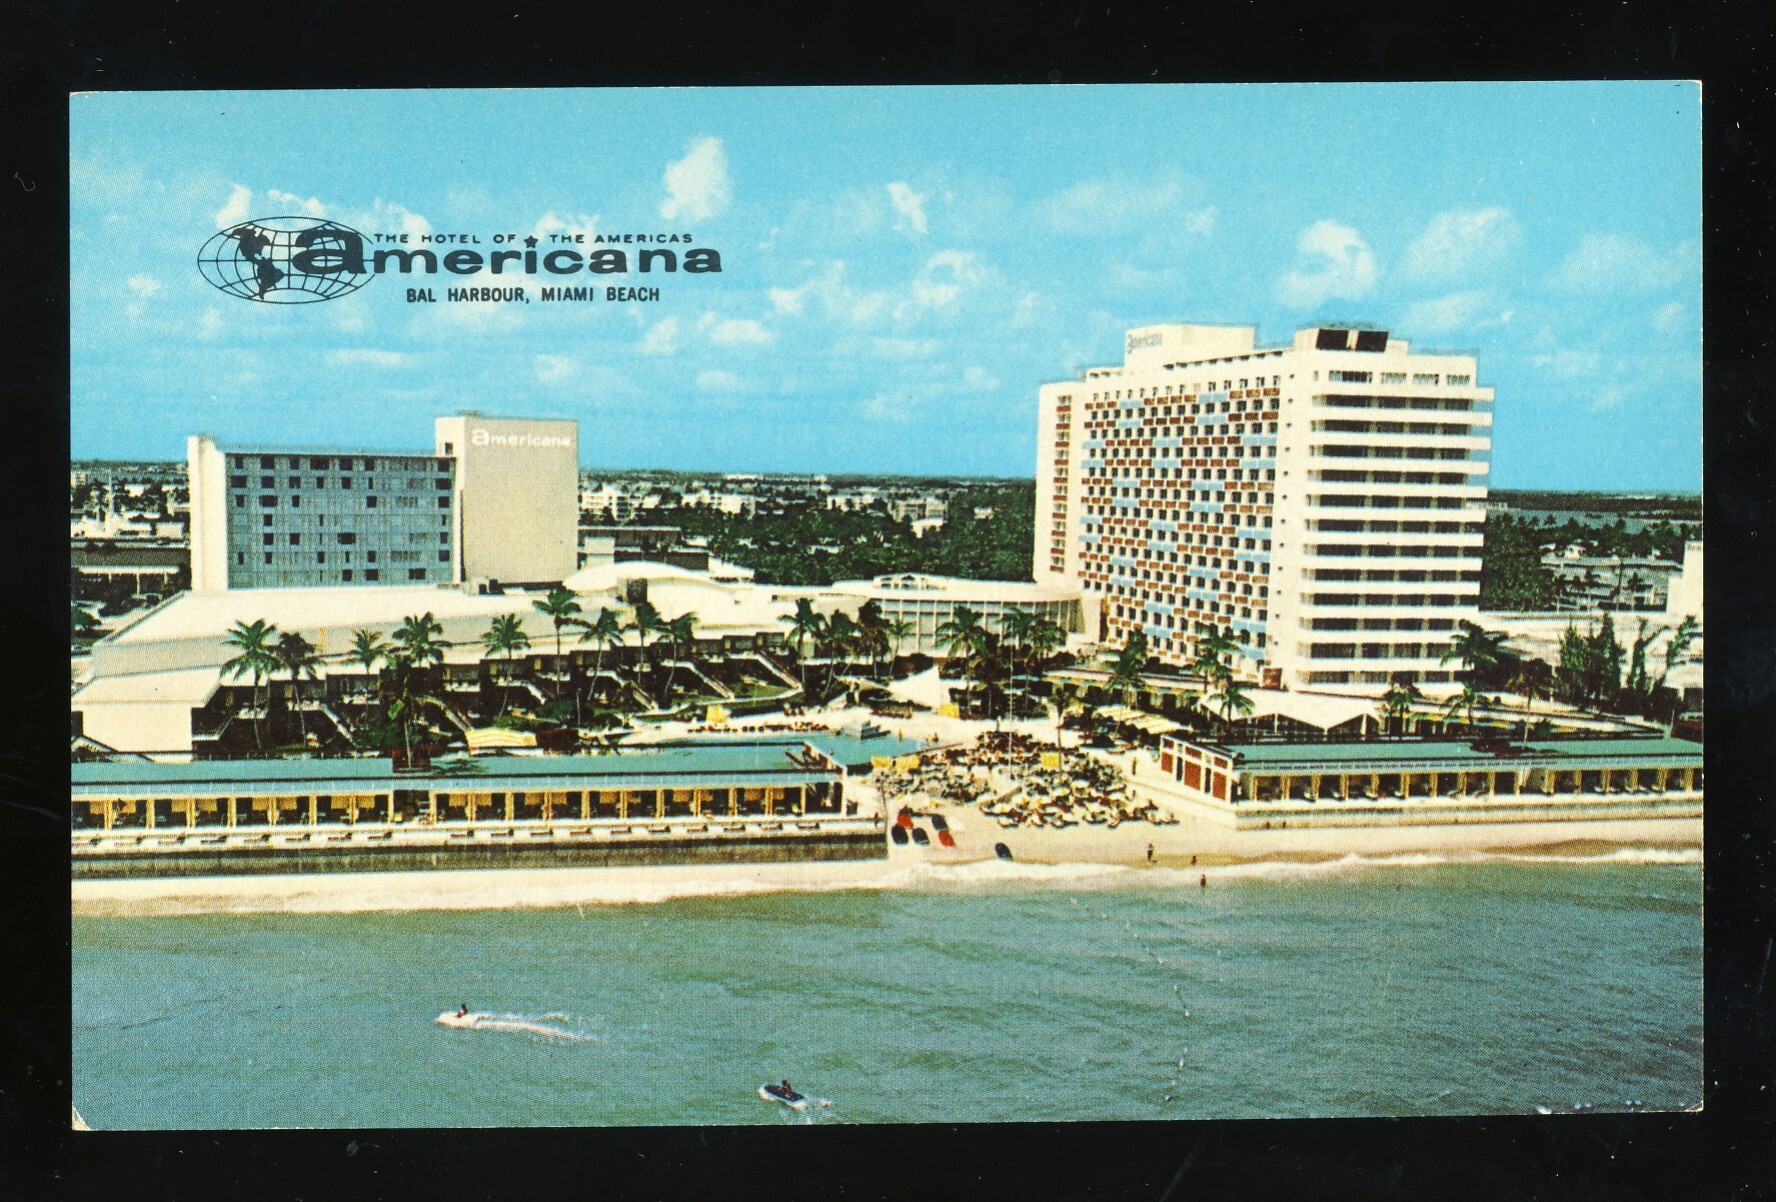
1006	638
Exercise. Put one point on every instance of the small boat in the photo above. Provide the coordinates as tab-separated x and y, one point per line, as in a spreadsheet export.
906	818
945	838
790	1098
939	823
1002	851
920	837
899	835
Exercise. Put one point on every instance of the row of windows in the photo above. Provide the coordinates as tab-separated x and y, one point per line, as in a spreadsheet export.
1340	476
1341	501
1397	600
1348	451
1448	404
1371	651
411	483
1348	525
320	557
1393	551
1187	390
1354	624
327	463
1344	426
1383	575
270	501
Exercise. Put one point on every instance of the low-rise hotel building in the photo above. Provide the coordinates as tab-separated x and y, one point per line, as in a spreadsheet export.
1320	502
735	800
1430	781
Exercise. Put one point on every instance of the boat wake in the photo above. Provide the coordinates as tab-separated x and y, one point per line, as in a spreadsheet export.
551	1027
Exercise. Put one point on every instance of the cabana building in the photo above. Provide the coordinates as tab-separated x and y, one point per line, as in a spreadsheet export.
1420	781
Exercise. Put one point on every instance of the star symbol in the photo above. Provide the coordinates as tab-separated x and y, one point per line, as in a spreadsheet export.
530	241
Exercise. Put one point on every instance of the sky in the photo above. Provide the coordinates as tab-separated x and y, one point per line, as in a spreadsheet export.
901	268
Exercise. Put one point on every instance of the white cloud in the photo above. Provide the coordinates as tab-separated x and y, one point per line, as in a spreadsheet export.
385	217
734	331
836	298
976	379
1670	319
910	205
884	408
238	209
697	185
903	348
553	369
365	358
579	225
944	277
1459	242
1341	265
143	285
1570	363
719	381
1201	222
1116	205
1603	263
1471	310
288	204
661	338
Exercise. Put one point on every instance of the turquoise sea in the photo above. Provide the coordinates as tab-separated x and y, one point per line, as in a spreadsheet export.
1420	985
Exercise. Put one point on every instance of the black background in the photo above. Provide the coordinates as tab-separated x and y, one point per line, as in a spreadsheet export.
49	49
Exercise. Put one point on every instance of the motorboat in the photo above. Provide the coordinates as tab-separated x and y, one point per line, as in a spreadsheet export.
790	1098
920	837
899	835
1002	851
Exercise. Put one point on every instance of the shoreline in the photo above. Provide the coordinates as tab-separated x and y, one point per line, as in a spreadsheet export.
1073	853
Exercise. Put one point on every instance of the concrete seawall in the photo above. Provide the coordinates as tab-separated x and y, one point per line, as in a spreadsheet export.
480	853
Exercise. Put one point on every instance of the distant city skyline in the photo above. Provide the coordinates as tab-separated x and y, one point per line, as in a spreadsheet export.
901	267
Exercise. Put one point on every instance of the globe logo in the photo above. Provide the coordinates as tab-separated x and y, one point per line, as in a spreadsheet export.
285	260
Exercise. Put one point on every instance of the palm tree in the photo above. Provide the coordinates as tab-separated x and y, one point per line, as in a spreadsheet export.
406	697
561	607
1045	638
606	631
1466	701
842	637
1681	638
1480	651
962	637
296	655
645	620
679	632
1230	700
804	624
416	642
1397	702
257	656
503	637
367	649
1213	659
897	631
962	634
1531	679
1125	672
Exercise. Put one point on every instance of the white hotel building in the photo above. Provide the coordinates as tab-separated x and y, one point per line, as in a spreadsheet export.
495	499
1321	502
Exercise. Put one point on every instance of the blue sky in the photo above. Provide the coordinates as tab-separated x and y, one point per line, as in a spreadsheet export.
901	267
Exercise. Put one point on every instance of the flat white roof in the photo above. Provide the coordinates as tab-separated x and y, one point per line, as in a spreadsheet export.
188	686
201	615
952	588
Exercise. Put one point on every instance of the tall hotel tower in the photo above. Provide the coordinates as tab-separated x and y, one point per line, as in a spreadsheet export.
1321	503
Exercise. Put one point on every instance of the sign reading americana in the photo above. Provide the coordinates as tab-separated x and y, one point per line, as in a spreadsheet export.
302	260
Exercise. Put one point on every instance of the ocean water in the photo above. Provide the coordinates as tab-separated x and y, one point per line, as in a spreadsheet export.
992	992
